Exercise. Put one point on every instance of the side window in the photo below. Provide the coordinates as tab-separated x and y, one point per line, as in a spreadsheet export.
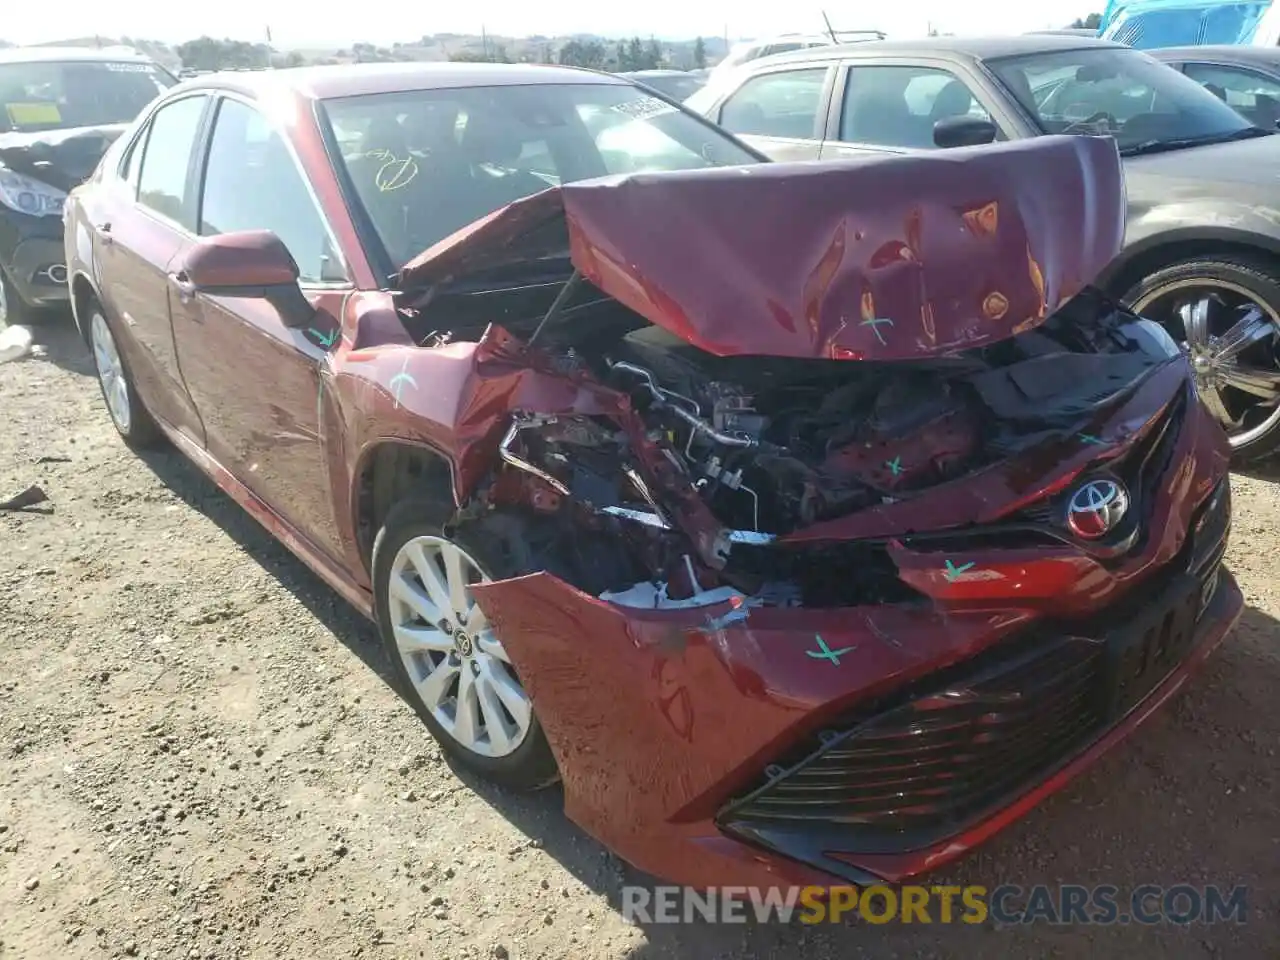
251	182
898	106
162	179
782	104
1249	93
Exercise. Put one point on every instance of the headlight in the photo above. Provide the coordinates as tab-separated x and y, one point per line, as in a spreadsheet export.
27	195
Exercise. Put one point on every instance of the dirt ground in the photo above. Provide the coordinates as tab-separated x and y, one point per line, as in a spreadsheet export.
200	757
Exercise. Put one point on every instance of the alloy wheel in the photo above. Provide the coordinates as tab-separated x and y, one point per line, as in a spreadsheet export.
1230	337
106	358
455	662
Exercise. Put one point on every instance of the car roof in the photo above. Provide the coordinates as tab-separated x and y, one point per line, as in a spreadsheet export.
360	79
65	54
958	48
1269	56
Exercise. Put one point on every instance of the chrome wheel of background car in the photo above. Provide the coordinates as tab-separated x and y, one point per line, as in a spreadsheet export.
1231	339
115	385
455	662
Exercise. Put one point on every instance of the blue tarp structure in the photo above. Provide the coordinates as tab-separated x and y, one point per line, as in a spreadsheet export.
1146	24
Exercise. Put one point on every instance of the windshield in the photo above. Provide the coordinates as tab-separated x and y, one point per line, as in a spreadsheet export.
49	95
1117	92
426	163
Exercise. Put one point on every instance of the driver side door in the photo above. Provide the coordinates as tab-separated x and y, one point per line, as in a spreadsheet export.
256	382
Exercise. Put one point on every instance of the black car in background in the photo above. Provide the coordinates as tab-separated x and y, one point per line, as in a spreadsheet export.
60	108
1202	244
1247	79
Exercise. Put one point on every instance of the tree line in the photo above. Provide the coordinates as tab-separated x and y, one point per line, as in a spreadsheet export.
633	54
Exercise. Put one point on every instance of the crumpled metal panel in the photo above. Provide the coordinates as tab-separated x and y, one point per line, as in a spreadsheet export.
894	258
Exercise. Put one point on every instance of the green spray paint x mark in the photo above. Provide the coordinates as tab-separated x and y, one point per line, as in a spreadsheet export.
400	379
326	340
1089	438
874	324
826	653
894	465
953	572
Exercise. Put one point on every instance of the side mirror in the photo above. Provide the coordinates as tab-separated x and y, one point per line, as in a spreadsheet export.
253	264
963	132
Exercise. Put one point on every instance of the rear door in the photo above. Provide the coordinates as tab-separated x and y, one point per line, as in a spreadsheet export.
780	112
256	382
143	218
891	107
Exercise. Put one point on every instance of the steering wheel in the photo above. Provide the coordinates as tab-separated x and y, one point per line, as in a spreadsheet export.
1091	122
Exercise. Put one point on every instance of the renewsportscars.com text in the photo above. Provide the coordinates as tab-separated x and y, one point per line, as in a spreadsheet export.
1005	905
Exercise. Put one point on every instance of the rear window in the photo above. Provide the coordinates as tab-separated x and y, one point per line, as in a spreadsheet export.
53	95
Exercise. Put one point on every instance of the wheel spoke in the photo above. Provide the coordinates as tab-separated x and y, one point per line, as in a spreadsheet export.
1253	380
122	400
495	721
434	687
455	574
1217	407
1248	330
488	642
411	640
1195	320
466	720
429	572
505	688
410	594
476	622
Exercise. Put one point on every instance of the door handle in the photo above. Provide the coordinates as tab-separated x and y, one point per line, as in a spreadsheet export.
182	283
104	232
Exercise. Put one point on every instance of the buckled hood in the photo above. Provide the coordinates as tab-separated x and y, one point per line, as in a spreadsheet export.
891	258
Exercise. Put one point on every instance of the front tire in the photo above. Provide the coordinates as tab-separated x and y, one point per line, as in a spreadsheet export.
1225	312
14	311
446	659
128	415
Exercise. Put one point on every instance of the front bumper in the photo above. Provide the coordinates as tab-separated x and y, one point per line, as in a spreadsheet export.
33	258
679	731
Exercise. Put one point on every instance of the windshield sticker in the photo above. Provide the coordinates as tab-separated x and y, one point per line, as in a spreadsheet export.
26	114
130	67
394	172
642	108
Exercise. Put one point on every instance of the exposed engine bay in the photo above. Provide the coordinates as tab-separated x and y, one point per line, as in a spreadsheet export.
771	445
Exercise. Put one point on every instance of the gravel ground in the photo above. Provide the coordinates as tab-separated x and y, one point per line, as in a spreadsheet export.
200	756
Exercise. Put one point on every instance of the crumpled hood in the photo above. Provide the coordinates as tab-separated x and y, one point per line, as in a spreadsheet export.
891	258
60	158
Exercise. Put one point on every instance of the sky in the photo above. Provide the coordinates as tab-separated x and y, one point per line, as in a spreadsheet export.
343	24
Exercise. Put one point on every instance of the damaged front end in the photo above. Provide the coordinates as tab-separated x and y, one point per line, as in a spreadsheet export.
37	172
819	478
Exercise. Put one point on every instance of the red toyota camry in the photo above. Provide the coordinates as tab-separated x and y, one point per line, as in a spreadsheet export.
809	521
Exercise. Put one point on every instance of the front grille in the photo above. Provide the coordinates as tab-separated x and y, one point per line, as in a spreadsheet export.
911	771
936	759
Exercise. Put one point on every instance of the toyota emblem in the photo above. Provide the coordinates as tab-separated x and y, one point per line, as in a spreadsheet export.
1096	508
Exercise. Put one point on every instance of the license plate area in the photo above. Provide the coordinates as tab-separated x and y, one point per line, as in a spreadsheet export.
1147	650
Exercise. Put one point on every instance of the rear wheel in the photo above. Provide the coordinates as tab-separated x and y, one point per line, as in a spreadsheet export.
130	417
448	661
1226	314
